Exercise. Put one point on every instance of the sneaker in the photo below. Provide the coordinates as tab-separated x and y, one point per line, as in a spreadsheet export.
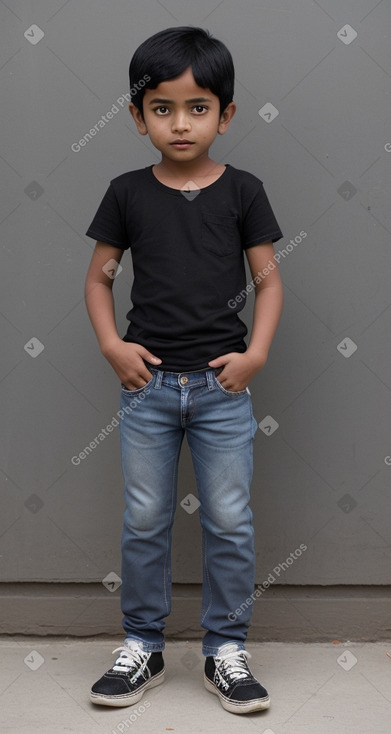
228	676
133	672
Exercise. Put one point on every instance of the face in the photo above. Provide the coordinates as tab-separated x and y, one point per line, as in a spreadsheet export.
177	110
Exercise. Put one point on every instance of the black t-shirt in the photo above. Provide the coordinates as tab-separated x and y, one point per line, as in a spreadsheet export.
188	262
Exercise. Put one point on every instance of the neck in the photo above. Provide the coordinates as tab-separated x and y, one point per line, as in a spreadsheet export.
200	168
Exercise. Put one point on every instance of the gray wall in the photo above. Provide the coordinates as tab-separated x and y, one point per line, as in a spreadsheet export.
322	477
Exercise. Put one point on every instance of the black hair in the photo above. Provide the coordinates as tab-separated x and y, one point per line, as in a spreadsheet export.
169	53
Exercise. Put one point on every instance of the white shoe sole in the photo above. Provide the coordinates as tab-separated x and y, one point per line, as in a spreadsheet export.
128	699
237	707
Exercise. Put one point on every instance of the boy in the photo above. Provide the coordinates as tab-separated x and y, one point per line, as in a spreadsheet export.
187	221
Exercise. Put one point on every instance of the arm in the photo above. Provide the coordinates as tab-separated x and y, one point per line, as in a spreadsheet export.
268	300
125	358
239	369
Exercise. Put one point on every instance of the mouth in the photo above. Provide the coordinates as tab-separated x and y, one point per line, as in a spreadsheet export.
181	143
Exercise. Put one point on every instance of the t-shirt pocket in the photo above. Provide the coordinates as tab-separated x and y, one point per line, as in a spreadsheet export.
220	234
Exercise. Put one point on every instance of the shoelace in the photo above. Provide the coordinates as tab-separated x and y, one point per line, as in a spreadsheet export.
233	665
130	660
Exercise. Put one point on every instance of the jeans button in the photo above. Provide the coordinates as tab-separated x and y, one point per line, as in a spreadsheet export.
184	380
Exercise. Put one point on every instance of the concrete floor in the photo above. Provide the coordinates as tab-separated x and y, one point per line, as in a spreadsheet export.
315	689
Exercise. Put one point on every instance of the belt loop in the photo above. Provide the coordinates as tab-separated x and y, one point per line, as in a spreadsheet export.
209	379
158	381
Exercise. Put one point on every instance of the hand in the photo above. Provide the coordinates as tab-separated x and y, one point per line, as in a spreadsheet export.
238	369
126	358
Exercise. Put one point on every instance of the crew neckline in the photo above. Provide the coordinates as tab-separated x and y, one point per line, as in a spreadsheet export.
179	192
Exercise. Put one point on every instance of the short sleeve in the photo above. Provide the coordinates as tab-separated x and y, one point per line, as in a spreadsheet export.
259	223
107	224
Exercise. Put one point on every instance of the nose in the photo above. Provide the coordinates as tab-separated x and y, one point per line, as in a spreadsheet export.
181	122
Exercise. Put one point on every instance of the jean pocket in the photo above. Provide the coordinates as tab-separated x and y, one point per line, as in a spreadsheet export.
231	393
138	390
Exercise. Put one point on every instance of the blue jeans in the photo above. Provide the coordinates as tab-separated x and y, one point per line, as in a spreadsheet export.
220	428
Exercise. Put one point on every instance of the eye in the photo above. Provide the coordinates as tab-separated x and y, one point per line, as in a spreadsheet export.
159	111
200	108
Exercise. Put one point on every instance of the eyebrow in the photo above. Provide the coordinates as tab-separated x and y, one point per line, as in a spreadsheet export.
171	101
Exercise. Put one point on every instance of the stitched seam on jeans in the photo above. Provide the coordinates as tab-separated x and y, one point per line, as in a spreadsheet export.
207	576
169	528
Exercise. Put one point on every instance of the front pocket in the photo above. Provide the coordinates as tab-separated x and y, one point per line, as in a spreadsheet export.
130	393
231	393
220	234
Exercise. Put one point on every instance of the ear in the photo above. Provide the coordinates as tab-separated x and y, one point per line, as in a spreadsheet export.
137	117
226	117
